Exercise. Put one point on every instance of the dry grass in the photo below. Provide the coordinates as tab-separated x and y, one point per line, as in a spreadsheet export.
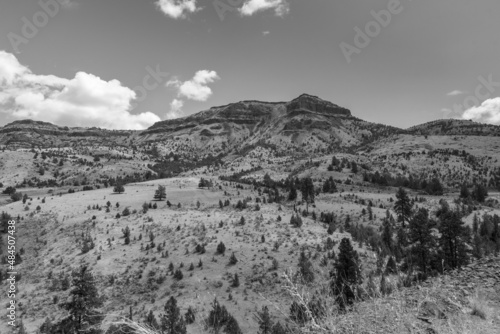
432	309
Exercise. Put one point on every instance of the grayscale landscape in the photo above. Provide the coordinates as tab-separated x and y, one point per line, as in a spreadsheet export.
268	182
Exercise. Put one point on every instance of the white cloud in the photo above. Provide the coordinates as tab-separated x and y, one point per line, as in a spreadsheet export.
86	100
265	33
175	109
487	112
177	9
455	93
250	7
195	89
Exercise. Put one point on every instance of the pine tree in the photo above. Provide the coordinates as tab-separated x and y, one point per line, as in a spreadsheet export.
421	238
453	240
232	326
403	206
347	276
292	195
151	320
264	320
305	268
83	304
217	317
172	321
160	193
307	190
387	233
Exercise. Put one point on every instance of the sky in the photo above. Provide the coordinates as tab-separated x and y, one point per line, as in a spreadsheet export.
126	64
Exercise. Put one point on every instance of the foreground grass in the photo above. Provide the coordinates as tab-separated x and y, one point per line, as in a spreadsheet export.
434	308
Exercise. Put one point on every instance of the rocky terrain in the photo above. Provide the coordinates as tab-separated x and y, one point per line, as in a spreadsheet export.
281	185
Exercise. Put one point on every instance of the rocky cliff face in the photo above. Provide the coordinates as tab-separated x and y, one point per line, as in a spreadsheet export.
306	121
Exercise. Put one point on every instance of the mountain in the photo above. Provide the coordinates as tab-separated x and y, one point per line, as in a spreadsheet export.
454	127
29	133
306	120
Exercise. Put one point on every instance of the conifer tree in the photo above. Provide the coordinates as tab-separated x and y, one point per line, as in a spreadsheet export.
151	320
454	237
265	322
160	193
347	275
305	268
83	304
172	321
403	206
421	239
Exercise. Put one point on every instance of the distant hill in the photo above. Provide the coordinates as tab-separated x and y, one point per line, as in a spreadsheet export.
455	127
307	124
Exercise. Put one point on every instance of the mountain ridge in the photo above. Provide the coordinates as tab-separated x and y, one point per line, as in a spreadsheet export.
220	129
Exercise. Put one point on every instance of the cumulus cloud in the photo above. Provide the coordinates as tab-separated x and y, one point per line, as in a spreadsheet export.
250	7
175	109
487	112
195	89
86	100
177	9
455	93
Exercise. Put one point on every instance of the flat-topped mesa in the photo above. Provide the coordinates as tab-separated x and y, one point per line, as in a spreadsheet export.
310	103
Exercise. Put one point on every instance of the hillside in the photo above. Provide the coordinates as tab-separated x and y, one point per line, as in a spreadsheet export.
283	187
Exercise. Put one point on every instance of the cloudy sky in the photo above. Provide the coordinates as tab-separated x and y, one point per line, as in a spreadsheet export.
130	63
